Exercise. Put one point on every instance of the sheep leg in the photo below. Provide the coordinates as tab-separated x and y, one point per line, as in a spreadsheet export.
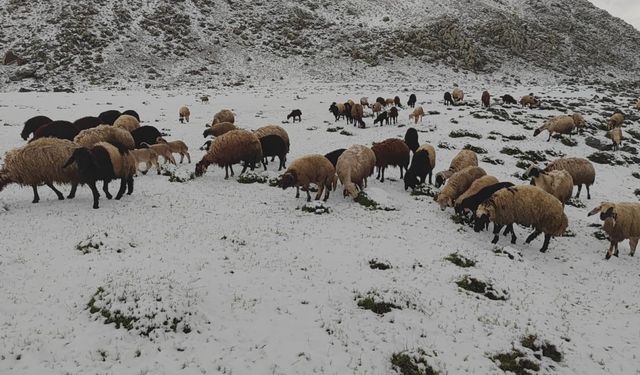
320	190
496	233
588	192
612	245
130	186
72	193
328	187
378	176
306	188
123	187
545	245
155	162
226	172
244	167
281	163
36	197
181	157
383	169
94	191
58	193
579	190
297	191
533	236
188	157
633	243
430	174
401	172
231	168
548	139
172	160
105	188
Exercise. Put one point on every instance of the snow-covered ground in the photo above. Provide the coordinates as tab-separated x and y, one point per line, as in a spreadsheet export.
253	285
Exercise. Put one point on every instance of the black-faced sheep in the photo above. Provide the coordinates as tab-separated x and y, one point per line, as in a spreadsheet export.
133	113
32	124
145	134
393	115
274	129
109	117
581	170
334	155
508	99
105	133
465	158
486	99
525	205
224	115
353	168
39	162
417	114
56	129
273	145
560	125
337	110
412	100
558	183
295	114
457	95
528	101
310	169
471	203
127	122
184	113
448	99
219	129
621	221
87	122
105	162
231	148
392	152
422	164
382	118
411	139
457	184
357	112
176	147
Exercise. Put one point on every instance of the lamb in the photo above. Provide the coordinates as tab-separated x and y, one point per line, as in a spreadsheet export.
109	117
176	147
396	102
145	134
465	158
377	108
184	113
392	152
56	129
105	133
457	185
334	155
32	124
127	122
357	112
310	169
616	120
104	162
621	221
230	148
417	114
448	99
525	205
273	145
382	118
581	170
39	162
411	139
616	137
457	95
558	183
87	123
486	99
557	124
364	101
147	156
475	188
219	129
224	115
162	149
295	114
508	99
422	164
353	168
393	115
133	113
528	101
412	100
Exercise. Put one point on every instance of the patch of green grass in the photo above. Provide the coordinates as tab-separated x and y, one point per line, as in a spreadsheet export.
480	287
334	129
516	362
425	190
405	364
533	156
460	260
511	151
476	149
602	157
275	182
378	307
548	350
487	159
317	208
88	245
345	132
636	175
636	192
364	200
374	264
460	133
523	164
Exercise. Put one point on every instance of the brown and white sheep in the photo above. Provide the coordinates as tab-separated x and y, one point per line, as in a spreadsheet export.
581	170
105	133
621	221
357	112
457	185
231	148
148	157
417	114
353	167
465	158
127	122
377	109
224	115
310	169
558	183
391	151
184	114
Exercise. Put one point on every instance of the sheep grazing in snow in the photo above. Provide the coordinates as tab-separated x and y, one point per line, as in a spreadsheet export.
389	102
354	166
274	145
412	100
581	170
219	129
105	133
357	112
145	134
616	137
525	205
224	115
382	118
411	139
364	101
475	187
417	114
310	169
127	122
393	115
559	124
231	148
558	183
528	101
32	124
334	155
486	99
133	113
338	110
56	129
621	222
422	164
377	108
616	120
105	162
184	113
146	156
162	149
273	129
382	101
39	162
176	147
465	158
109	117
448	99
457	95
87	123
471	203
396	102
508	99
392	152
457	184
295	114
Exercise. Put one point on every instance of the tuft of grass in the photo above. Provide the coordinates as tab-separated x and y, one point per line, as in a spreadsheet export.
548	350
460	261
601	235
316	207
461	133
426	190
523	164
487	159
576	202
569	142
364	200
636	175
480	287
251	178
380	308
476	149
516	362
602	157
334	129
405	364
374	264
511	151
345	132
444	145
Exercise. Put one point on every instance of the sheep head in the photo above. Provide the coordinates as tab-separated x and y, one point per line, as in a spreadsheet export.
607	212
201	167
161	140
532	172
482	218
410	180
289	179
351	190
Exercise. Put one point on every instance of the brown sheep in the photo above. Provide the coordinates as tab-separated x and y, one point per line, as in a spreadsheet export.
581	170
528	101
353	167
457	185
457	94
127	122
105	133
184	114
621	221
224	116
357	111
486	99
231	148
310	169
392	152
617	119
219	129
417	114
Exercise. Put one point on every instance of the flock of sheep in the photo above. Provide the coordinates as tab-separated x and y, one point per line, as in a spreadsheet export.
113	145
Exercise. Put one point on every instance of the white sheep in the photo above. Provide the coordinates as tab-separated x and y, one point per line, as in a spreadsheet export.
621	221
558	183
353	167
465	158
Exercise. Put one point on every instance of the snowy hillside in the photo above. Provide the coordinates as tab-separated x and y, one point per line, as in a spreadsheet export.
161	44
215	276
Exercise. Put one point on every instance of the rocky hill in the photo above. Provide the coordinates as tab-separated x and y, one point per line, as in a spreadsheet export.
233	42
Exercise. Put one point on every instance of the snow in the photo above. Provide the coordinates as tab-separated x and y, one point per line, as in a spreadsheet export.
268	288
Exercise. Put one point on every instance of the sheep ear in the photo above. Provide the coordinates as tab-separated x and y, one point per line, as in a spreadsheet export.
595	211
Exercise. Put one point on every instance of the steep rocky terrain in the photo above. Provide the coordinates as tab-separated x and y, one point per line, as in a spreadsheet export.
157	43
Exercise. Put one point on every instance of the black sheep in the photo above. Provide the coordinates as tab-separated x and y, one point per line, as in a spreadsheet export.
333	108
87	122
411	139
32	124
146	134
396	101
448	100
296	113
56	129
109	117
419	169
412	101
347	113
393	115
133	113
273	145
508	99
384	116
382	102
334	155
